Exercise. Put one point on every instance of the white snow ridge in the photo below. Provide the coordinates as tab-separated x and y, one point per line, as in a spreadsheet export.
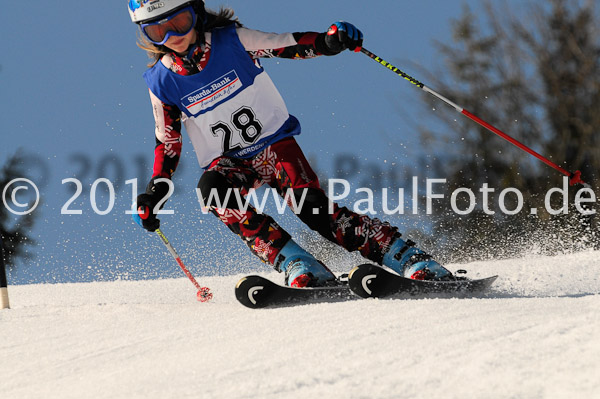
535	335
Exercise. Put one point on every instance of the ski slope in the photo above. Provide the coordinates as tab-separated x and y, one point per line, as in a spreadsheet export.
534	336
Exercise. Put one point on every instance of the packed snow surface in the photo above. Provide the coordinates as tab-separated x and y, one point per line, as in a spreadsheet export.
535	335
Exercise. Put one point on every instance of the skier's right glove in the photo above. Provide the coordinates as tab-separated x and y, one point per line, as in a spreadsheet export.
146	203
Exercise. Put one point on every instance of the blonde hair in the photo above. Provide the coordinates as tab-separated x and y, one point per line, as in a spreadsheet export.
223	17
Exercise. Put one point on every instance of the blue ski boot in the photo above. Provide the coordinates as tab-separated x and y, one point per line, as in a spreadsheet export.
411	262
301	268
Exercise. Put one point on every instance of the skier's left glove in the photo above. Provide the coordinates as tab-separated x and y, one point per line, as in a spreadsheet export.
343	35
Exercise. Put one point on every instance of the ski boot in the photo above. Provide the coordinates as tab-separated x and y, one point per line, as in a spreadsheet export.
301	268
411	262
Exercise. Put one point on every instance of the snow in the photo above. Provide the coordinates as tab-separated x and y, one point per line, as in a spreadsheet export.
535	335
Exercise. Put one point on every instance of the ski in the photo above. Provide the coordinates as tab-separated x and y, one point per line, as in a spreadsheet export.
371	281
259	292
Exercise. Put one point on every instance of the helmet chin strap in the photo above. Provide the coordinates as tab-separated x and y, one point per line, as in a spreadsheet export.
200	41
202	17
190	51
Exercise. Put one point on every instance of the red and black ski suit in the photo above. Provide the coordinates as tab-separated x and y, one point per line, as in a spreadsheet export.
282	165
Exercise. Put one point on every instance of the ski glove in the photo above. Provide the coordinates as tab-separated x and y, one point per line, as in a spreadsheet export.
343	35
146	203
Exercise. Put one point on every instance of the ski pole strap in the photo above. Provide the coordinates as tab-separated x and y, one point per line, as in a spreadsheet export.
574	178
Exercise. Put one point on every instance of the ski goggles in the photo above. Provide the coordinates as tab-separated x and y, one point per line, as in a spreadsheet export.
179	23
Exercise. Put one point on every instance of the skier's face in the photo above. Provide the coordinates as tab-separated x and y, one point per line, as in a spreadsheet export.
180	44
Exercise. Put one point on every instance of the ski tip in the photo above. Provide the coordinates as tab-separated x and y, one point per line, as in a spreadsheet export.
239	283
363	280
253	291
364	268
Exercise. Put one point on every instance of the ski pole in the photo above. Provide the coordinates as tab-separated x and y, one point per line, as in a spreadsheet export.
204	293
4	303
574	177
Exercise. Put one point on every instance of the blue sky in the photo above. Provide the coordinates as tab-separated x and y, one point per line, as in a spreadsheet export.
75	103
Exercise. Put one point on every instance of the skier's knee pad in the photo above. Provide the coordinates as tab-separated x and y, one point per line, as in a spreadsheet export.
315	210
215	189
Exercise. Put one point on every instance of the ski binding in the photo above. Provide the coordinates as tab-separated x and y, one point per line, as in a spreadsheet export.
371	281
259	292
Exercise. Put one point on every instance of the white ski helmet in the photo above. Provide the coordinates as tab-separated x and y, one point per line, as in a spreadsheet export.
142	11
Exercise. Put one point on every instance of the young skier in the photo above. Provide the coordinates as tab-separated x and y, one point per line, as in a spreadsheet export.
206	74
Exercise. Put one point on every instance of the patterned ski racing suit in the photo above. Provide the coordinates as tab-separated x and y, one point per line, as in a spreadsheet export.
280	164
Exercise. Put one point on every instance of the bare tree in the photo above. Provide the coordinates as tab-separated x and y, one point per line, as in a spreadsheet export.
535	73
15	231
